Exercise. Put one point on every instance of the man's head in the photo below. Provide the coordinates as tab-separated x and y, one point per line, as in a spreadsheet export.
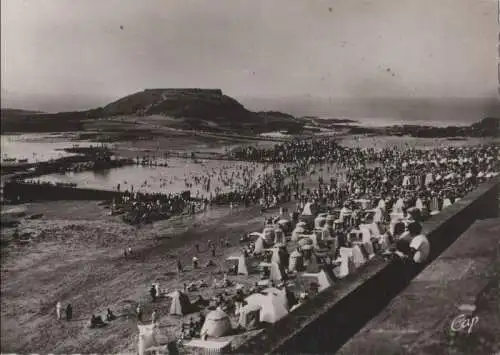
414	228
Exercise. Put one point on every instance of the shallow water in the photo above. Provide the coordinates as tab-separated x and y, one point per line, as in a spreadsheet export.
38	147
171	179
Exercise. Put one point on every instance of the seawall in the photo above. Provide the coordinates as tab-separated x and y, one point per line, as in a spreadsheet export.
329	320
421	319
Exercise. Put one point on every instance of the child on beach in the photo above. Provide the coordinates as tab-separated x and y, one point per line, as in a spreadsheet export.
58	310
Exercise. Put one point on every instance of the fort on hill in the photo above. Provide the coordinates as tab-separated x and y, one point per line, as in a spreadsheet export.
179	91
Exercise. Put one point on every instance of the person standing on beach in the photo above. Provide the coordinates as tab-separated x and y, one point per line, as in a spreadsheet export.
153	317
139	313
152	292
69	312
58	310
179	266
212	247
157	287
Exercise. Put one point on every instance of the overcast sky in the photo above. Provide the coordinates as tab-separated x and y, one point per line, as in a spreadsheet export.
256	48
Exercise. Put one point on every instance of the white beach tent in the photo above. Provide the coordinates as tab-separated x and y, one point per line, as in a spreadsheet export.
147	337
273	309
419	204
259	245
366	249
255	299
446	202
307	209
398	206
217	324
357	256
374	229
241	262
273	306
180	305
347	264
322	278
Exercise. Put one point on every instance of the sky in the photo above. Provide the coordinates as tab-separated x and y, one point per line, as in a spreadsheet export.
67	54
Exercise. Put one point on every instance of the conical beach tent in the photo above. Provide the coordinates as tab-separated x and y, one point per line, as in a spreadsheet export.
307	209
241	264
180	303
358	257
347	265
273	308
217	324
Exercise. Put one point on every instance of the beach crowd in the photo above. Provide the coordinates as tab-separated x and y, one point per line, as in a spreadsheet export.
327	210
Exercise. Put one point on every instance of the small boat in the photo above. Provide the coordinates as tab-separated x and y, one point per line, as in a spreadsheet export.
22	160
9	160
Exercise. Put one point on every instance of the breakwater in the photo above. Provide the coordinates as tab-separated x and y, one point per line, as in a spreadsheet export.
329	320
30	170
19	191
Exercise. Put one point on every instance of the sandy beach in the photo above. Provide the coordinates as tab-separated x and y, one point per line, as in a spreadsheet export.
75	256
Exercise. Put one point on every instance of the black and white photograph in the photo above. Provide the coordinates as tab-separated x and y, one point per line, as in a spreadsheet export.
250	177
